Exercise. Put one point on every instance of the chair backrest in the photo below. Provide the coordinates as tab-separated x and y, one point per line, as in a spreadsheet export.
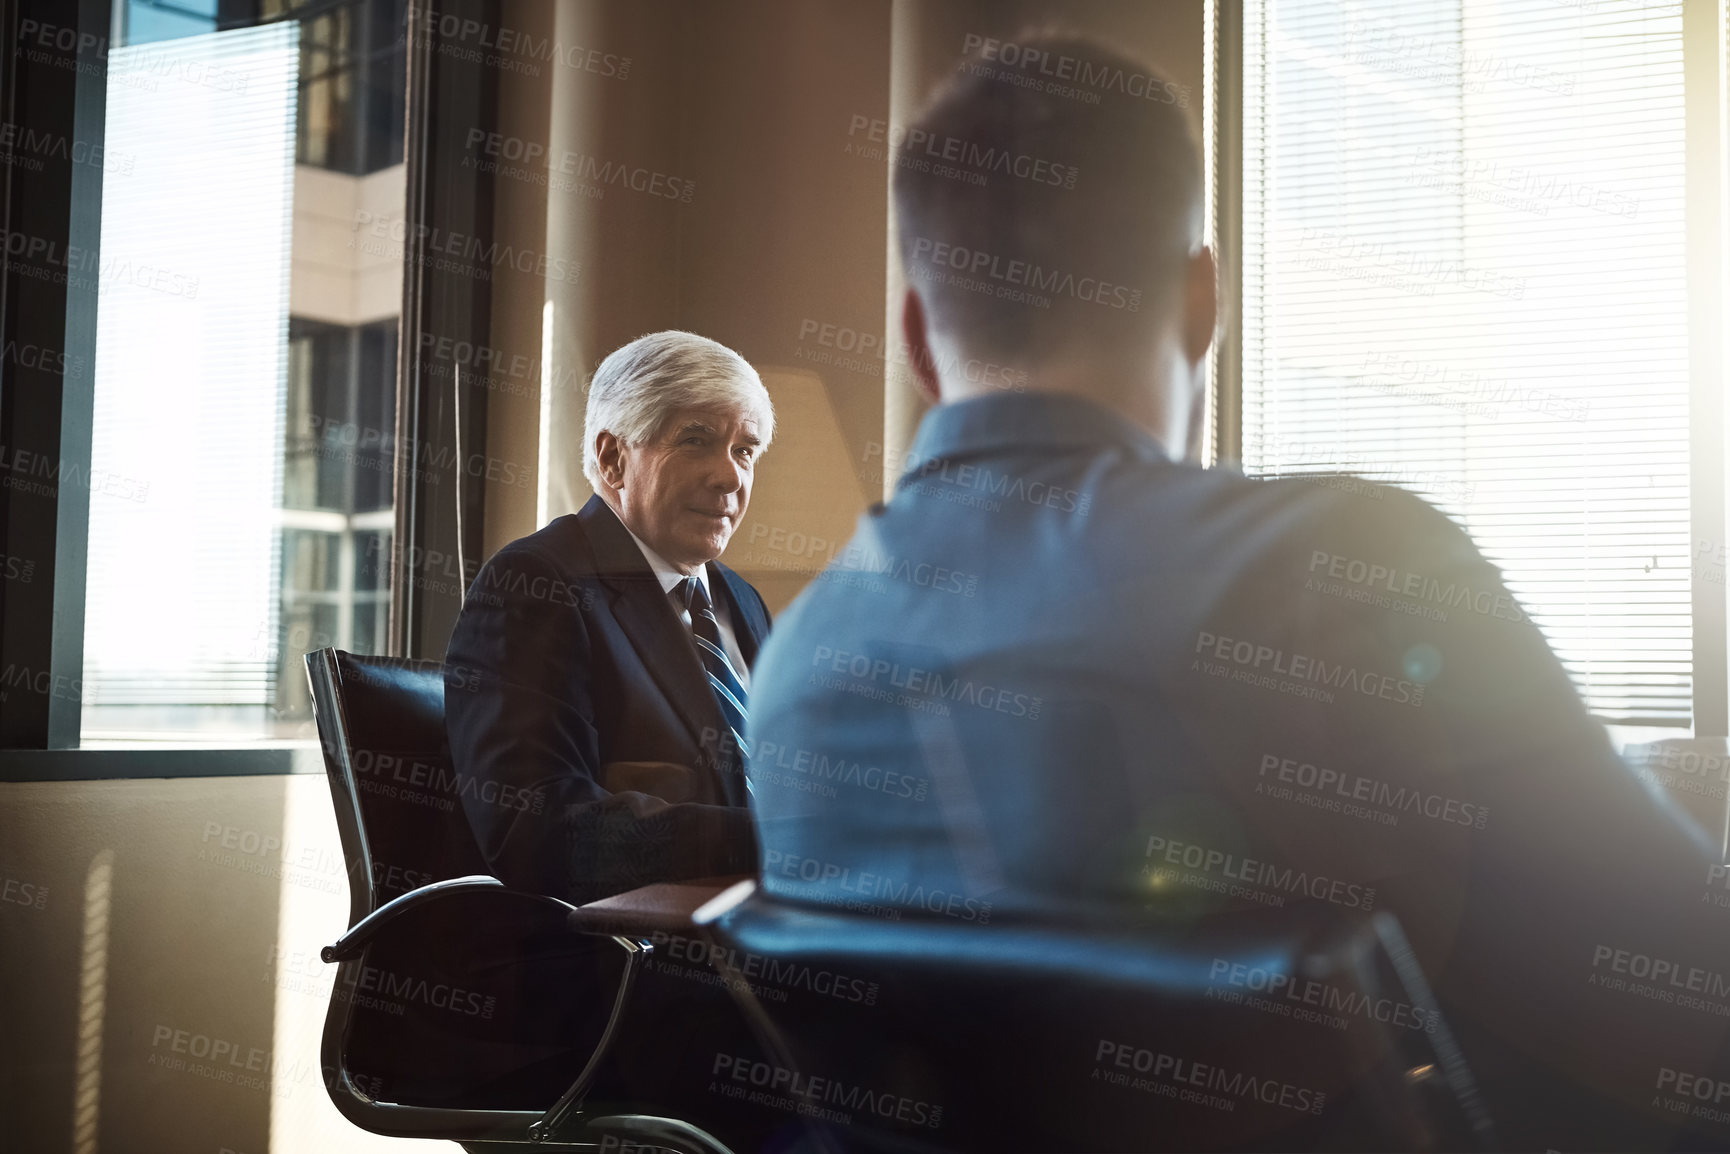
399	805
391	1063
1286	1029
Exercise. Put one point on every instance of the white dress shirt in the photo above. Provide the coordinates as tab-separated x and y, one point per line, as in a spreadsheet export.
671	579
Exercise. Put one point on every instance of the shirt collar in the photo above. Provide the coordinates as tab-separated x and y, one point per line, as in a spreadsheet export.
1025	421
669	577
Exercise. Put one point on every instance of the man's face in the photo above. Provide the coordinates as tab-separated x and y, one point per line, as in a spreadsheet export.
684	491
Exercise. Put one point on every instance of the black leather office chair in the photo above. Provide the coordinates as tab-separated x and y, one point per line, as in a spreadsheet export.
421	991
1295	1029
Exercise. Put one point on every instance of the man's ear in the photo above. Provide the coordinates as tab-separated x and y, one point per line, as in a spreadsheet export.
610	455
1200	304
915	331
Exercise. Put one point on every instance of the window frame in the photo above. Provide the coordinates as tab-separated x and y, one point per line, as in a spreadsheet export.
62	93
51	413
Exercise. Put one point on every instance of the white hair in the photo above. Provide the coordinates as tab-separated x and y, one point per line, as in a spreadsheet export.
638	385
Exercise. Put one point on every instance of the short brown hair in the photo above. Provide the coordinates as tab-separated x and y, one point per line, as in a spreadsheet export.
1048	196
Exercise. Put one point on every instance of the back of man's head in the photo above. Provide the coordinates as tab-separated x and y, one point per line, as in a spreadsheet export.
1048	200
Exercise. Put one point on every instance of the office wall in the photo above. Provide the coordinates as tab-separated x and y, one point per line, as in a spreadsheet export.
763	228
771	118
159	949
519	298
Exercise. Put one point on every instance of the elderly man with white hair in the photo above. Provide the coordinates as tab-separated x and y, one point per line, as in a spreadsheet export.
601	665
597	684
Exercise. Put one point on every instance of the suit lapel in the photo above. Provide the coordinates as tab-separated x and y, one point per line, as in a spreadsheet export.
646	616
750	624
665	646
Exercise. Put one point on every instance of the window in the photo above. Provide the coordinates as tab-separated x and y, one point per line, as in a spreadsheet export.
1465	270
244	423
336	498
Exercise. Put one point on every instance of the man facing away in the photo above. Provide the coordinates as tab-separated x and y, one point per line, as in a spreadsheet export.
1144	680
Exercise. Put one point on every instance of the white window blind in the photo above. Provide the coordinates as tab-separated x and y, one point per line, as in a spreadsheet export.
191	345
1464	273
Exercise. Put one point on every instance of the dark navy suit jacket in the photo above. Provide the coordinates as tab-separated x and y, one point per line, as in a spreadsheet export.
583	709
1060	669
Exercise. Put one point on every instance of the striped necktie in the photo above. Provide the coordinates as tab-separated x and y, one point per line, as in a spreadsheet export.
723	678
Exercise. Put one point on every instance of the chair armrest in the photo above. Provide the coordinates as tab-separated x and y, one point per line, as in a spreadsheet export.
724	902
665	907
362	933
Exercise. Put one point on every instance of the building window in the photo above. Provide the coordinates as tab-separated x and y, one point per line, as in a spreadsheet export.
1465	271
336	510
